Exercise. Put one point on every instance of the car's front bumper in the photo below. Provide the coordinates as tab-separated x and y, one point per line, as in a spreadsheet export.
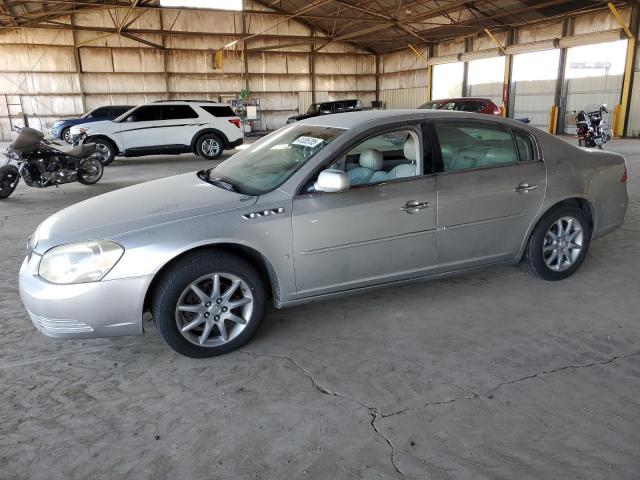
86	310
56	131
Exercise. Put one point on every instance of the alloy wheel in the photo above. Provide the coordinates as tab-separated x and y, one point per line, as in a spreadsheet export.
210	147
103	150
563	244
214	309
67	135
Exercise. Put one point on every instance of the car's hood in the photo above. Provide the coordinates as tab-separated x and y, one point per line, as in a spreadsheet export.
137	207
101	124
68	120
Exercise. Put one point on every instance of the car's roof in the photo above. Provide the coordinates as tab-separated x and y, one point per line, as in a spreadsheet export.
187	102
462	99
351	119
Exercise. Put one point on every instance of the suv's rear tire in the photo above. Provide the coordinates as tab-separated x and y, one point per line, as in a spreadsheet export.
106	148
209	146
183	314
552	251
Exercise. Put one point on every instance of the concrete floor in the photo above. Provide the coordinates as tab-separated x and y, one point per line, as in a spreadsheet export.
492	375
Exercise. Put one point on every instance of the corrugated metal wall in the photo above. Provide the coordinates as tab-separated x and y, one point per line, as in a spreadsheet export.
41	81
403	81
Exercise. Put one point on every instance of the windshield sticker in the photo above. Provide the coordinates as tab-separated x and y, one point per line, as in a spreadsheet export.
307	141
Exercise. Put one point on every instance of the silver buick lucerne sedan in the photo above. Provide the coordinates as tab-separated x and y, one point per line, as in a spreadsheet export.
328	205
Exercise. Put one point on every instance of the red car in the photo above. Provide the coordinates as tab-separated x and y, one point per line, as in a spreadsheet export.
465	104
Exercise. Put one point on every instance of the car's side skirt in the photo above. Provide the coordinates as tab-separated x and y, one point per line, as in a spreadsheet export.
157	150
432	276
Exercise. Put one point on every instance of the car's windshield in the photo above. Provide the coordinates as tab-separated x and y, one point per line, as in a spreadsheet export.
269	162
313	108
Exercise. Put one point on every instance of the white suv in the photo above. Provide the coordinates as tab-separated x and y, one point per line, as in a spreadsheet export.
166	127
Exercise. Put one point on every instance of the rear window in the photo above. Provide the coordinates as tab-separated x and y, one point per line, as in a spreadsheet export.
468	106
218	111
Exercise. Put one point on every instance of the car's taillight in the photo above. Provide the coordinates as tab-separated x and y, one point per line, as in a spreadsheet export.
235	121
624	175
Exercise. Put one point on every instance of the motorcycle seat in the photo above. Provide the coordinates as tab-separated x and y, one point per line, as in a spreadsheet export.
82	150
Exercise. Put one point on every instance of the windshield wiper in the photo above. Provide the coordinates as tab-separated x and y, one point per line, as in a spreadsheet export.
218	182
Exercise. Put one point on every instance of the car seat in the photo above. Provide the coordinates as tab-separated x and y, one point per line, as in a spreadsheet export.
370	162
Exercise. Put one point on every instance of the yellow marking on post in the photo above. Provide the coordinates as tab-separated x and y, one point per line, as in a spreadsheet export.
495	40
618	17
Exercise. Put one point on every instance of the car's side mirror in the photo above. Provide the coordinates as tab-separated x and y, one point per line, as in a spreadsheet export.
131	118
332	181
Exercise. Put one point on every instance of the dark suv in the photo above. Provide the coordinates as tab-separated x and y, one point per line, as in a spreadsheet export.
326	108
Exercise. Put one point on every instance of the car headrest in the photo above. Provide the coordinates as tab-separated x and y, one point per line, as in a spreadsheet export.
371	159
410	149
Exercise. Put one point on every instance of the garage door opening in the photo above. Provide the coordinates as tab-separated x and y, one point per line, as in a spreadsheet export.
594	75
534	82
447	80
486	78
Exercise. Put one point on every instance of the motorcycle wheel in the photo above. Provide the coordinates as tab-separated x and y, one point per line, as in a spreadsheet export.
90	171
9	178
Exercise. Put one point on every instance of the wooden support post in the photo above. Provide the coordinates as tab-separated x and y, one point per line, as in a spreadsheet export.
560	93
78	65
378	58
506	82
468	47
621	125
312	68
426	63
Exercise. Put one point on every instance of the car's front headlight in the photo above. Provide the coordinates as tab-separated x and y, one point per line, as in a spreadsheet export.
79	262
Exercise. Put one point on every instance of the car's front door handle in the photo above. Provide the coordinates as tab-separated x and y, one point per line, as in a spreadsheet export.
524	188
414	206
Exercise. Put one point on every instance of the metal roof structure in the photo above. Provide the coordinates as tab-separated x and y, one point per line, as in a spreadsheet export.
374	25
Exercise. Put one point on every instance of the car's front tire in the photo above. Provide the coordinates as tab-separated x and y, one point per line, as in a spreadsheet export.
558	244
106	147
66	135
209	146
208	303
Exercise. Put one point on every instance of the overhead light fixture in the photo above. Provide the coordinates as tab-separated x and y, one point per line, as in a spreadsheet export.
233	5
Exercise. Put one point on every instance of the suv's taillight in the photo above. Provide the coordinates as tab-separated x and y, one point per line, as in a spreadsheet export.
235	121
624	175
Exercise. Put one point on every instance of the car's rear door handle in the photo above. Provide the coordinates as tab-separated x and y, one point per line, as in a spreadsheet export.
524	187
414	206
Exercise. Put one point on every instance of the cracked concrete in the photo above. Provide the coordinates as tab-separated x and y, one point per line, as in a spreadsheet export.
487	376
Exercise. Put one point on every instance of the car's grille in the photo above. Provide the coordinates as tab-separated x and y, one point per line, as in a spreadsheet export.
58	325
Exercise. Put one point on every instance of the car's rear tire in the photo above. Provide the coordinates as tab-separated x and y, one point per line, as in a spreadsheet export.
66	135
106	147
209	146
199	316
9	178
558	244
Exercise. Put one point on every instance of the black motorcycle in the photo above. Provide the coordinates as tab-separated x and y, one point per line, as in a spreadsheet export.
35	159
593	130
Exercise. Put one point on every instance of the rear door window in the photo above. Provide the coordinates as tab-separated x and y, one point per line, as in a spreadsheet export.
526	150
468	145
178	112
218	111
